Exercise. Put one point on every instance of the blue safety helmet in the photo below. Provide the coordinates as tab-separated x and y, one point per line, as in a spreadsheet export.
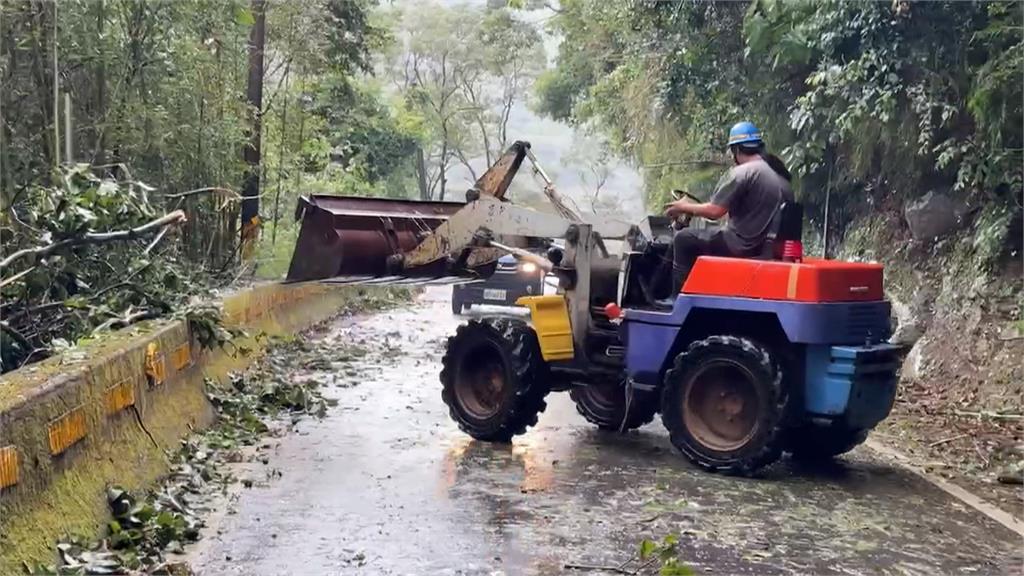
744	133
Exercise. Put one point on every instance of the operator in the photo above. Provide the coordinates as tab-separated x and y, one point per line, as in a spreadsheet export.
750	194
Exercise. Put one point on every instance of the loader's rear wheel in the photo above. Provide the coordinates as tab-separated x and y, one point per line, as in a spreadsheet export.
723	404
604	404
494	379
811	443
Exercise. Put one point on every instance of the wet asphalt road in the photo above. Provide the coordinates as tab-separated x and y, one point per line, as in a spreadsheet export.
386	484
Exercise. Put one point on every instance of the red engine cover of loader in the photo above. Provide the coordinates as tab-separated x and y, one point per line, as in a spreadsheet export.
812	280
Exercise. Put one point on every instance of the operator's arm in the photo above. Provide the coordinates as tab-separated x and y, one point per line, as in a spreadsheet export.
702	209
724	196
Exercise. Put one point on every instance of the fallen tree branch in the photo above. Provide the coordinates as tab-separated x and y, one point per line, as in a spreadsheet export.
986	414
172	218
32	354
620	569
35	310
944	440
203	191
981	454
126	320
126	283
16	335
16	277
595	567
159	237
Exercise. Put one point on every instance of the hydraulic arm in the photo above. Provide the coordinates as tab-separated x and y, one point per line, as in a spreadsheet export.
385	241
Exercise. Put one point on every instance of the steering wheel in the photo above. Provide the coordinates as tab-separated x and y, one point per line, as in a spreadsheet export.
680	223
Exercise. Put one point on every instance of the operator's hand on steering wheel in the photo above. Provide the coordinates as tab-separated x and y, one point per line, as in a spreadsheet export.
674	210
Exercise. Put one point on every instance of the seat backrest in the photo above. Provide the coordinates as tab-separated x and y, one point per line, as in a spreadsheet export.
791	221
786	224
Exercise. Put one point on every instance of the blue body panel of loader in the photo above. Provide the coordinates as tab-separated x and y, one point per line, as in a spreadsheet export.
849	372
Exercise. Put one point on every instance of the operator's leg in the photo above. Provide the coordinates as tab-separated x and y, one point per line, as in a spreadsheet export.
687	245
663	275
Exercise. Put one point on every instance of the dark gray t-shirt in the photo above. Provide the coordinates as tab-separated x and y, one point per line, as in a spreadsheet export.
752	193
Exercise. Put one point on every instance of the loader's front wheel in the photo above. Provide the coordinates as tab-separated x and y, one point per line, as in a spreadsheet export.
605	404
494	379
723	405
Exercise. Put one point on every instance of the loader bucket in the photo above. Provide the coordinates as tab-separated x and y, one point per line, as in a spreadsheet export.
350	239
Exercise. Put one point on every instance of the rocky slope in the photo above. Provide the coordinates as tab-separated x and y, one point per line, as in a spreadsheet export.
954	276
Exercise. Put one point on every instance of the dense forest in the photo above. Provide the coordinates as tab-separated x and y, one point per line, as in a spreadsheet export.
152	150
878	102
902	124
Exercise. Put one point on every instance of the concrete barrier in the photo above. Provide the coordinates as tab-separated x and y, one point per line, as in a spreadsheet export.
109	412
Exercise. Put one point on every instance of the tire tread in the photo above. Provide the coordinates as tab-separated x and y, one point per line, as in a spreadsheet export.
520	345
771	450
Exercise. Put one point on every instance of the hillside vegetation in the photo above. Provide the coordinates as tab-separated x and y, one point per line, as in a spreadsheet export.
906	116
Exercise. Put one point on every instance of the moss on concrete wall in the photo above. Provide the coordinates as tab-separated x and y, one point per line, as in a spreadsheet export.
65	494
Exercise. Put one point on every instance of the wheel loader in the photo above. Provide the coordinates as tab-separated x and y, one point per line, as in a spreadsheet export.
755	357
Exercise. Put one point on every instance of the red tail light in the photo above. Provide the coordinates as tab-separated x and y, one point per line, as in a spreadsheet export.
613	311
792	251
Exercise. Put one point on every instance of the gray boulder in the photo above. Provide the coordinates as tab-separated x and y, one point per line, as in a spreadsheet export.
934	215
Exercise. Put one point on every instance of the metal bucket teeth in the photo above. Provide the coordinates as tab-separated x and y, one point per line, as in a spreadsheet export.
397	280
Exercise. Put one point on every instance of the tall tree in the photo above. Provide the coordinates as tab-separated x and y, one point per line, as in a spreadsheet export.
251	153
430	71
511	52
464	70
826	80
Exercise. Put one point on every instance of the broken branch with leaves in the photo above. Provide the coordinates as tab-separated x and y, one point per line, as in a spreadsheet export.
170	219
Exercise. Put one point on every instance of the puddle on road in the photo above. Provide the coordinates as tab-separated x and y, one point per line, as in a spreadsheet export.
386	484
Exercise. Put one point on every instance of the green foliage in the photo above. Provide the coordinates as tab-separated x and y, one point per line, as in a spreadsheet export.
275	251
138	536
366	138
147	528
461	71
78	286
206	325
883	102
667	554
352	38
157	95
990	239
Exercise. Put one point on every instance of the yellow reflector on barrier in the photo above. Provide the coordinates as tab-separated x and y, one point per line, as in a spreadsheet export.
66	430
8	466
550	317
120	396
182	357
155	368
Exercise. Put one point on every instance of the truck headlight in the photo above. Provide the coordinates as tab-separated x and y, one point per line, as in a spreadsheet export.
528	267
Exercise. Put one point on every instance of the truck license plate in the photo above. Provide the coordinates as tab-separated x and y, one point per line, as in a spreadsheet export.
490	294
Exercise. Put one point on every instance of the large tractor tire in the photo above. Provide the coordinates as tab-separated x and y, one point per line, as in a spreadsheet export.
723	404
811	443
604	404
494	379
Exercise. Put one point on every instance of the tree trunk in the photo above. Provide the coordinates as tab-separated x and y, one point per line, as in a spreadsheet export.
254	93
6	168
281	151
444	161
99	153
421	173
43	80
297	185
444	158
